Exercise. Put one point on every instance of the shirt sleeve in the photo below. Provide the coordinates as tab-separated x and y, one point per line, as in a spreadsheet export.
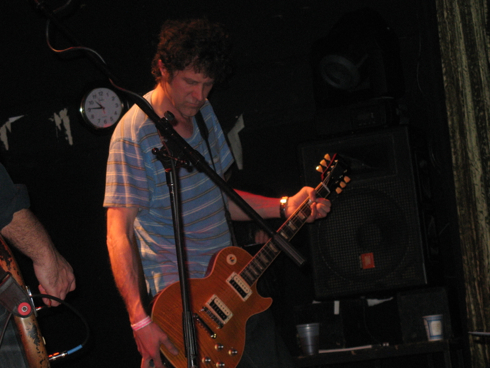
127	176
13	198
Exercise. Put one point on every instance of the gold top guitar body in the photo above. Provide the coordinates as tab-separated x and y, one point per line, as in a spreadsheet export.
223	301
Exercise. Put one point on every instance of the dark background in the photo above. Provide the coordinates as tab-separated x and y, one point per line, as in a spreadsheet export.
273	87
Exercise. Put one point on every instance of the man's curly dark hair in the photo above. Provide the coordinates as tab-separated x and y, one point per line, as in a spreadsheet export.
195	43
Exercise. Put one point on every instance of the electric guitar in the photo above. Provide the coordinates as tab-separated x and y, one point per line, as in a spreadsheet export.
227	297
30	334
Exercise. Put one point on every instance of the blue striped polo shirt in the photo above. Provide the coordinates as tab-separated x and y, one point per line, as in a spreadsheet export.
135	178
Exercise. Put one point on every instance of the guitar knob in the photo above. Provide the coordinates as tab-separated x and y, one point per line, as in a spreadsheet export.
206	360
232	352
220	364
218	347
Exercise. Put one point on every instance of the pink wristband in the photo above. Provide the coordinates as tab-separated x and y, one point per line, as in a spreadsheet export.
143	323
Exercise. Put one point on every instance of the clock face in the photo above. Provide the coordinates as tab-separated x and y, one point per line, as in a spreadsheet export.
102	108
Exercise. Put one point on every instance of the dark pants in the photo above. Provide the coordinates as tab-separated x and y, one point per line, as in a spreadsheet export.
11	350
264	347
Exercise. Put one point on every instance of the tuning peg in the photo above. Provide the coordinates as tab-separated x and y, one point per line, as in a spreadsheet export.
324	163
338	190
346	179
343	184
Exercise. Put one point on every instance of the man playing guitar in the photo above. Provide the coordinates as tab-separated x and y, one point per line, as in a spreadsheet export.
21	228
191	57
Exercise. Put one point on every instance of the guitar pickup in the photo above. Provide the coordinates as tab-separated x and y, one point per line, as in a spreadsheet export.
240	286
219	309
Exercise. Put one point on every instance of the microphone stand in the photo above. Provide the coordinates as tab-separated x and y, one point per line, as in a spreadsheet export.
177	145
198	161
192	155
166	155
175	150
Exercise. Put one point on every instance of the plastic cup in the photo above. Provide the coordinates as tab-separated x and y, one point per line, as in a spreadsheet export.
433	326
309	337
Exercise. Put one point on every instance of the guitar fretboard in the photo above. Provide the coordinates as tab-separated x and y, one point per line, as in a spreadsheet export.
269	252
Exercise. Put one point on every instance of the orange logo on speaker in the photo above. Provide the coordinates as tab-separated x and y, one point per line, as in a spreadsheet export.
367	261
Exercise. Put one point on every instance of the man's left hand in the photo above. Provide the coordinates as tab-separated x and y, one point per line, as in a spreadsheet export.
320	207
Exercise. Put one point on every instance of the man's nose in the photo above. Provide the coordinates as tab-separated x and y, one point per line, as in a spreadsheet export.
199	92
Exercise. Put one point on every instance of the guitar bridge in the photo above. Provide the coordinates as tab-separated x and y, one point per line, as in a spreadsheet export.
201	323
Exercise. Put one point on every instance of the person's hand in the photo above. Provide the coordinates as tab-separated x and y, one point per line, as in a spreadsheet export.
56	278
148	340
261	237
320	207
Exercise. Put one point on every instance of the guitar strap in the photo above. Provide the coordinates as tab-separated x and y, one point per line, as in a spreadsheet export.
3	273
203	129
12	296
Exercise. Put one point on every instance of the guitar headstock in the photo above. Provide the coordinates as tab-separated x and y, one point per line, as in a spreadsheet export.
333	169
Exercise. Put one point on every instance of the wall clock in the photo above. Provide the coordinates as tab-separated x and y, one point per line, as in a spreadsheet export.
102	108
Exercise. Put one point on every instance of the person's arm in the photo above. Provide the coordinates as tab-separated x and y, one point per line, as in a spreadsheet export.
53	272
128	275
268	207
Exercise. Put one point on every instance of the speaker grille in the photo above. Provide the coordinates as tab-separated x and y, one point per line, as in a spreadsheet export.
372	240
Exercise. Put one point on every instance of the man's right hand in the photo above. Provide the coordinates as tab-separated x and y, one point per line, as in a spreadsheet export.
148	340
56	278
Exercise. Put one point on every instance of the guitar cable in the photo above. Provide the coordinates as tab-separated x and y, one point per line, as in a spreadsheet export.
58	355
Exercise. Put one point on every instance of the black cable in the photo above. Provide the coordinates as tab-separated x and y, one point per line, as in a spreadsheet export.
79	315
55	356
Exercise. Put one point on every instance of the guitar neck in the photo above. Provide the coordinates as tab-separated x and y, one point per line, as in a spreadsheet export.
269	252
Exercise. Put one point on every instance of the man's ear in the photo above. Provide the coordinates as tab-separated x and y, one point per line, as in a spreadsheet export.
163	70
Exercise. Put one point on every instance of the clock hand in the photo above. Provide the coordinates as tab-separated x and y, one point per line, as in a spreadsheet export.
100	106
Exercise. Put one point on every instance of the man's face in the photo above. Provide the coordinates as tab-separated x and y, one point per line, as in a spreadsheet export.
188	91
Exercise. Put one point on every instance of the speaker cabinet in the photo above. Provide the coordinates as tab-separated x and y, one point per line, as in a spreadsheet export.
372	240
357	61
